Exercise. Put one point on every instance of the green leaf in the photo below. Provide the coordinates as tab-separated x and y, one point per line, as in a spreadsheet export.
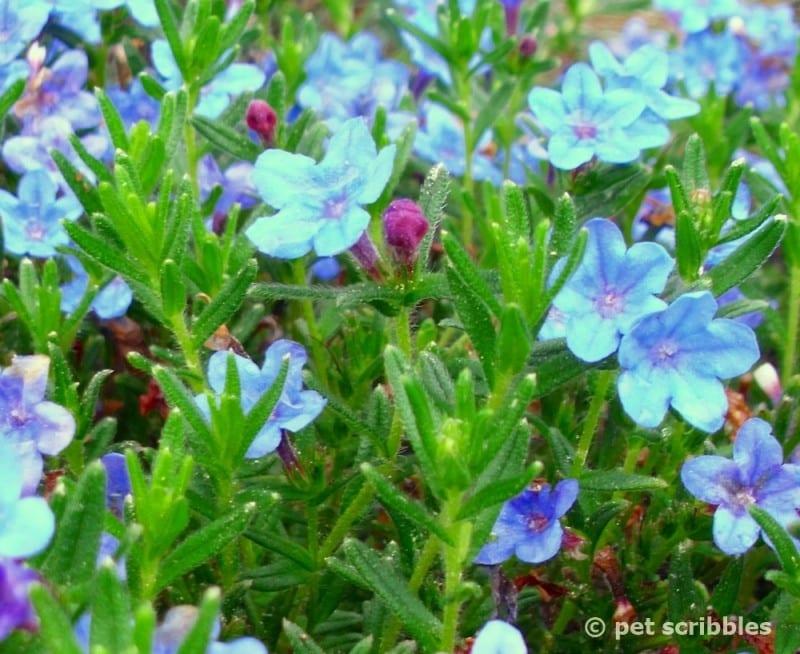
225	303
515	210
781	541
689	250
111	619
179	397
513	341
203	544
276	577
55	628
617	480
436	380
395	499
227	139
300	641
680	200
233	29
723	599
10	97
173	290
170	28
683	601
198	639
494	107
113	122
786	618
73	554
748	257
599	519
694	173
363	646
497	492
555	365
283	547
77	181
420	623
432	201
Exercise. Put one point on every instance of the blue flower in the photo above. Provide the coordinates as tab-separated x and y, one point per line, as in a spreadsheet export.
645	72
528	525
32	220
112	301
693	16
756	476
584	122
26	523
118	483
16	610
677	357
296	409
32	425
320	204
708	57
610	290
134	104
499	637
20	23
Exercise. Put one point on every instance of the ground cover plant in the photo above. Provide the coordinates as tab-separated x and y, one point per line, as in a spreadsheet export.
394	327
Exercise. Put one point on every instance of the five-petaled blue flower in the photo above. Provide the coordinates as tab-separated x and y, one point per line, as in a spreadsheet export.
755	476
584	122
499	637
528	525
296	409
611	289
677	357
26	523
320	204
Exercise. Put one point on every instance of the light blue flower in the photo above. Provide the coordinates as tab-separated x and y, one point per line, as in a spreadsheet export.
32	219
26	524
20	23
584	122
528	525
320	205
693	16
677	357
708	57
297	407
756	476
610	290
499	637
112	301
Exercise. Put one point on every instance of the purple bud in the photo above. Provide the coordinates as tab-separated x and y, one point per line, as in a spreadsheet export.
16	611
262	119
365	253
528	47
404	226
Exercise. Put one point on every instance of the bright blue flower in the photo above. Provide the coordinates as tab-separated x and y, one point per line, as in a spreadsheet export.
499	637
636	33
118	482
344	80
320	204
32	425
112	301
20	23
677	357
708	57
134	104
31	220
215	96
693	16
528	525
295	410
440	139
756	476
236	182
584	122
26	523
326	268
16	610
645	72
610	290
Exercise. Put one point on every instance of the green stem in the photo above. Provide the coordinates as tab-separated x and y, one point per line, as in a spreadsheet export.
190	353
453	561
792	325
314	333
592	420
351	514
403	331
190	140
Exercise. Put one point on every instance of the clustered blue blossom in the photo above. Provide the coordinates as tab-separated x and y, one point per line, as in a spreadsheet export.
112	301
297	407
528	525
499	637
755	476
320	205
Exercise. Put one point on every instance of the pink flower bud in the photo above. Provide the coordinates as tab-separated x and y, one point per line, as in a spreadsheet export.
528	46
262	119
404	227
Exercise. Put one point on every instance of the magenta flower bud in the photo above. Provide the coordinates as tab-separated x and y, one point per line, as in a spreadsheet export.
528	47
365	253
262	119
404	227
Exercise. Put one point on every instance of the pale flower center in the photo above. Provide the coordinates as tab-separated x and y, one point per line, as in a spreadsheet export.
609	304
538	522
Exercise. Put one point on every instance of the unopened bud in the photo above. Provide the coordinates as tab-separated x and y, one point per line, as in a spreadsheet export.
767	379
365	253
262	119
404	227
528	47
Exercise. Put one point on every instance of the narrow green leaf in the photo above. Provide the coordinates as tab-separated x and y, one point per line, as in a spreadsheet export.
233	29
173	290
170	27
432	201
694	173
683	601
781	541
225	303
99	168
276	577
301	642
113	121
77	181
179	397
723	599
600	518
421	624
10	97
55	628
283	547
395	499
748	257
617	480
515	210
198	639
203	544
73	554
680	200
495	493
111	612
786	618
689	250
436	379
513	340
226	139
494	107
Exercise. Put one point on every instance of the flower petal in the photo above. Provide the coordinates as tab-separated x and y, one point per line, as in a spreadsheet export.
734	533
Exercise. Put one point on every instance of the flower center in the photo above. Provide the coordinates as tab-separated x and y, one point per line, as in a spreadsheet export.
609	304
36	230
538	522
335	209
17	417
584	131
743	498
666	351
